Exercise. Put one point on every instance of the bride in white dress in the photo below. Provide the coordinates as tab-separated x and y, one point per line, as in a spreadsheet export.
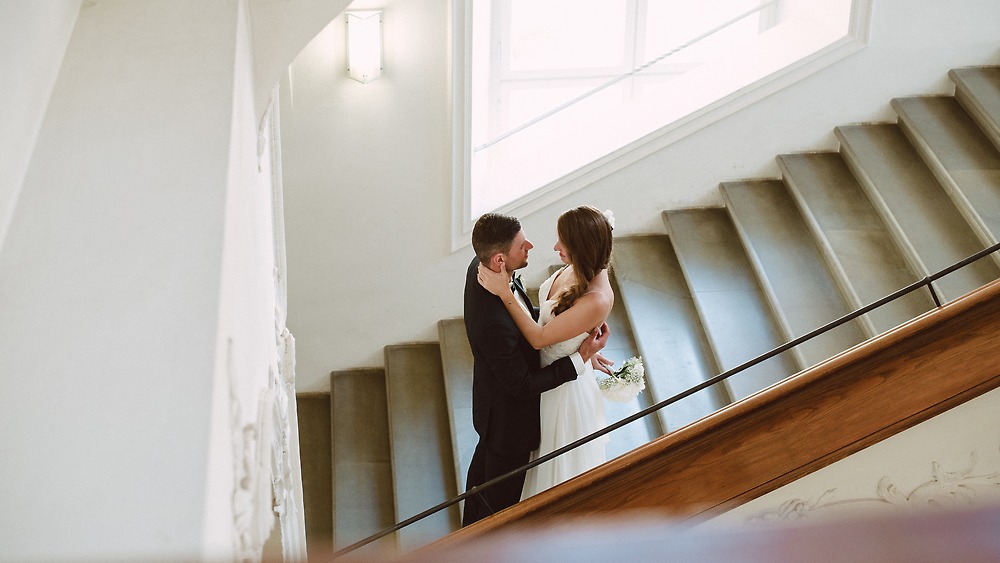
574	301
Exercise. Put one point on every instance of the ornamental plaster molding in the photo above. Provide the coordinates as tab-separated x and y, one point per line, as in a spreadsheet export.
264	491
263	425
250	526
945	489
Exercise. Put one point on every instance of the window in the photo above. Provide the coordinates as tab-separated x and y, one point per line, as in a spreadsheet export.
553	88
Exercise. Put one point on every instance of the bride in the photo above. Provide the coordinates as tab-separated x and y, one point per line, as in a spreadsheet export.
574	300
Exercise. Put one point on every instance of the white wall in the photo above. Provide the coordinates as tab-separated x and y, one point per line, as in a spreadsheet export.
366	175
33	38
245	361
109	289
145	373
367	168
279	31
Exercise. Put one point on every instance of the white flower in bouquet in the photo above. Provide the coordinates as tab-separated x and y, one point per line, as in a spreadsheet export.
623	385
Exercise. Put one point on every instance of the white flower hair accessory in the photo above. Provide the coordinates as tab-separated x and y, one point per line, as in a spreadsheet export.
610	216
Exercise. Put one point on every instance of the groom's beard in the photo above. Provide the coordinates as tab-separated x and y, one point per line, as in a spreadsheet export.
512	267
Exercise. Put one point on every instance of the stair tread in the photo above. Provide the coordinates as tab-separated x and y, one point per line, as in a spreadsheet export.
859	242
804	292
422	460
315	441
620	347
908	196
456	357
667	331
978	89
736	317
362	467
961	155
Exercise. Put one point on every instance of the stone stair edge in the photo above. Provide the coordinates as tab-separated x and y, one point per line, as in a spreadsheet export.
665	215
910	254
450	400
923	254
757	267
312	394
403	503
921	144
754	293
623	297
355	370
413	344
990	124
840	276
642	346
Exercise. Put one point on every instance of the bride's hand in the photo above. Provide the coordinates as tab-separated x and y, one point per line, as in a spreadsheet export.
601	363
496	283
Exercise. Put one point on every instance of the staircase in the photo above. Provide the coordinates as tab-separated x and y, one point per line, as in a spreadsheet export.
838	231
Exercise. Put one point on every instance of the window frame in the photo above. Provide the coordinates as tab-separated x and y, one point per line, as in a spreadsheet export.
854	39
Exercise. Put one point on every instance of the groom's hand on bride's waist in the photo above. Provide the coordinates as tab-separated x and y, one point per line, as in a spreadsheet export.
595	342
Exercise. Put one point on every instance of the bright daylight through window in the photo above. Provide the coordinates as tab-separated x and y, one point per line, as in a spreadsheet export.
558	85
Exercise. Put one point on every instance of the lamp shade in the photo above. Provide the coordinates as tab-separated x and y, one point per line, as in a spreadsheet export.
364	45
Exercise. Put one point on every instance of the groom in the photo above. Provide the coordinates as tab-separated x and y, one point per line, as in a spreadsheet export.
507	380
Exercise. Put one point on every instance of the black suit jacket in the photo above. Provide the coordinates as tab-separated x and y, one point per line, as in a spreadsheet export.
506	380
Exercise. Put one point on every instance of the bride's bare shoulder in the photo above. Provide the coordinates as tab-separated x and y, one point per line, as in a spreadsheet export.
599	297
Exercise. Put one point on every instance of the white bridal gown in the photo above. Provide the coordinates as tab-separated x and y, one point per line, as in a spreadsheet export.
568	412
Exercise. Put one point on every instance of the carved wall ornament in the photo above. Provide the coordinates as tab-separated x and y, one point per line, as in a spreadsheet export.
264	483
267	488
945	489
251	478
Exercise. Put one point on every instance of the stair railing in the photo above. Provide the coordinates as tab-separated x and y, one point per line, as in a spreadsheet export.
927	282
611	82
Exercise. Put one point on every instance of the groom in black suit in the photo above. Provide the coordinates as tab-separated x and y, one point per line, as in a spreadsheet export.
507	380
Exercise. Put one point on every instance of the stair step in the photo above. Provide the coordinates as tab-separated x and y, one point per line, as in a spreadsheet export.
620	347
927	225
960	156
737	319
793	273
315	440
362	467
855	240
456	359
666	328
423	468
978	90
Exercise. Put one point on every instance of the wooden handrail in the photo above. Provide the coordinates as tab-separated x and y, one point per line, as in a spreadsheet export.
804	423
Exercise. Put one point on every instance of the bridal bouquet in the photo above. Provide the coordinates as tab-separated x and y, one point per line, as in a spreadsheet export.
623	385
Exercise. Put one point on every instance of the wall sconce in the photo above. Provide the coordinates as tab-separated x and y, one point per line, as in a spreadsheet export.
364	45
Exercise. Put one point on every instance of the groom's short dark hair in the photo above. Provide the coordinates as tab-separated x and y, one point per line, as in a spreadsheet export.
494	233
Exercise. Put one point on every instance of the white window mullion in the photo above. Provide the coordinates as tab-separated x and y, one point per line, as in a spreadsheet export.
634	36
770	16
499	63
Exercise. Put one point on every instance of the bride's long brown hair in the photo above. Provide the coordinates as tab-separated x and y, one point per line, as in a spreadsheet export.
586	237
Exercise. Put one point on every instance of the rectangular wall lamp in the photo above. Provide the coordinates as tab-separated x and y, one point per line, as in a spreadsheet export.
364	45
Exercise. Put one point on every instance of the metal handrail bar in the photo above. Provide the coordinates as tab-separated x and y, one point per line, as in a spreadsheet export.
621	77
924	282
